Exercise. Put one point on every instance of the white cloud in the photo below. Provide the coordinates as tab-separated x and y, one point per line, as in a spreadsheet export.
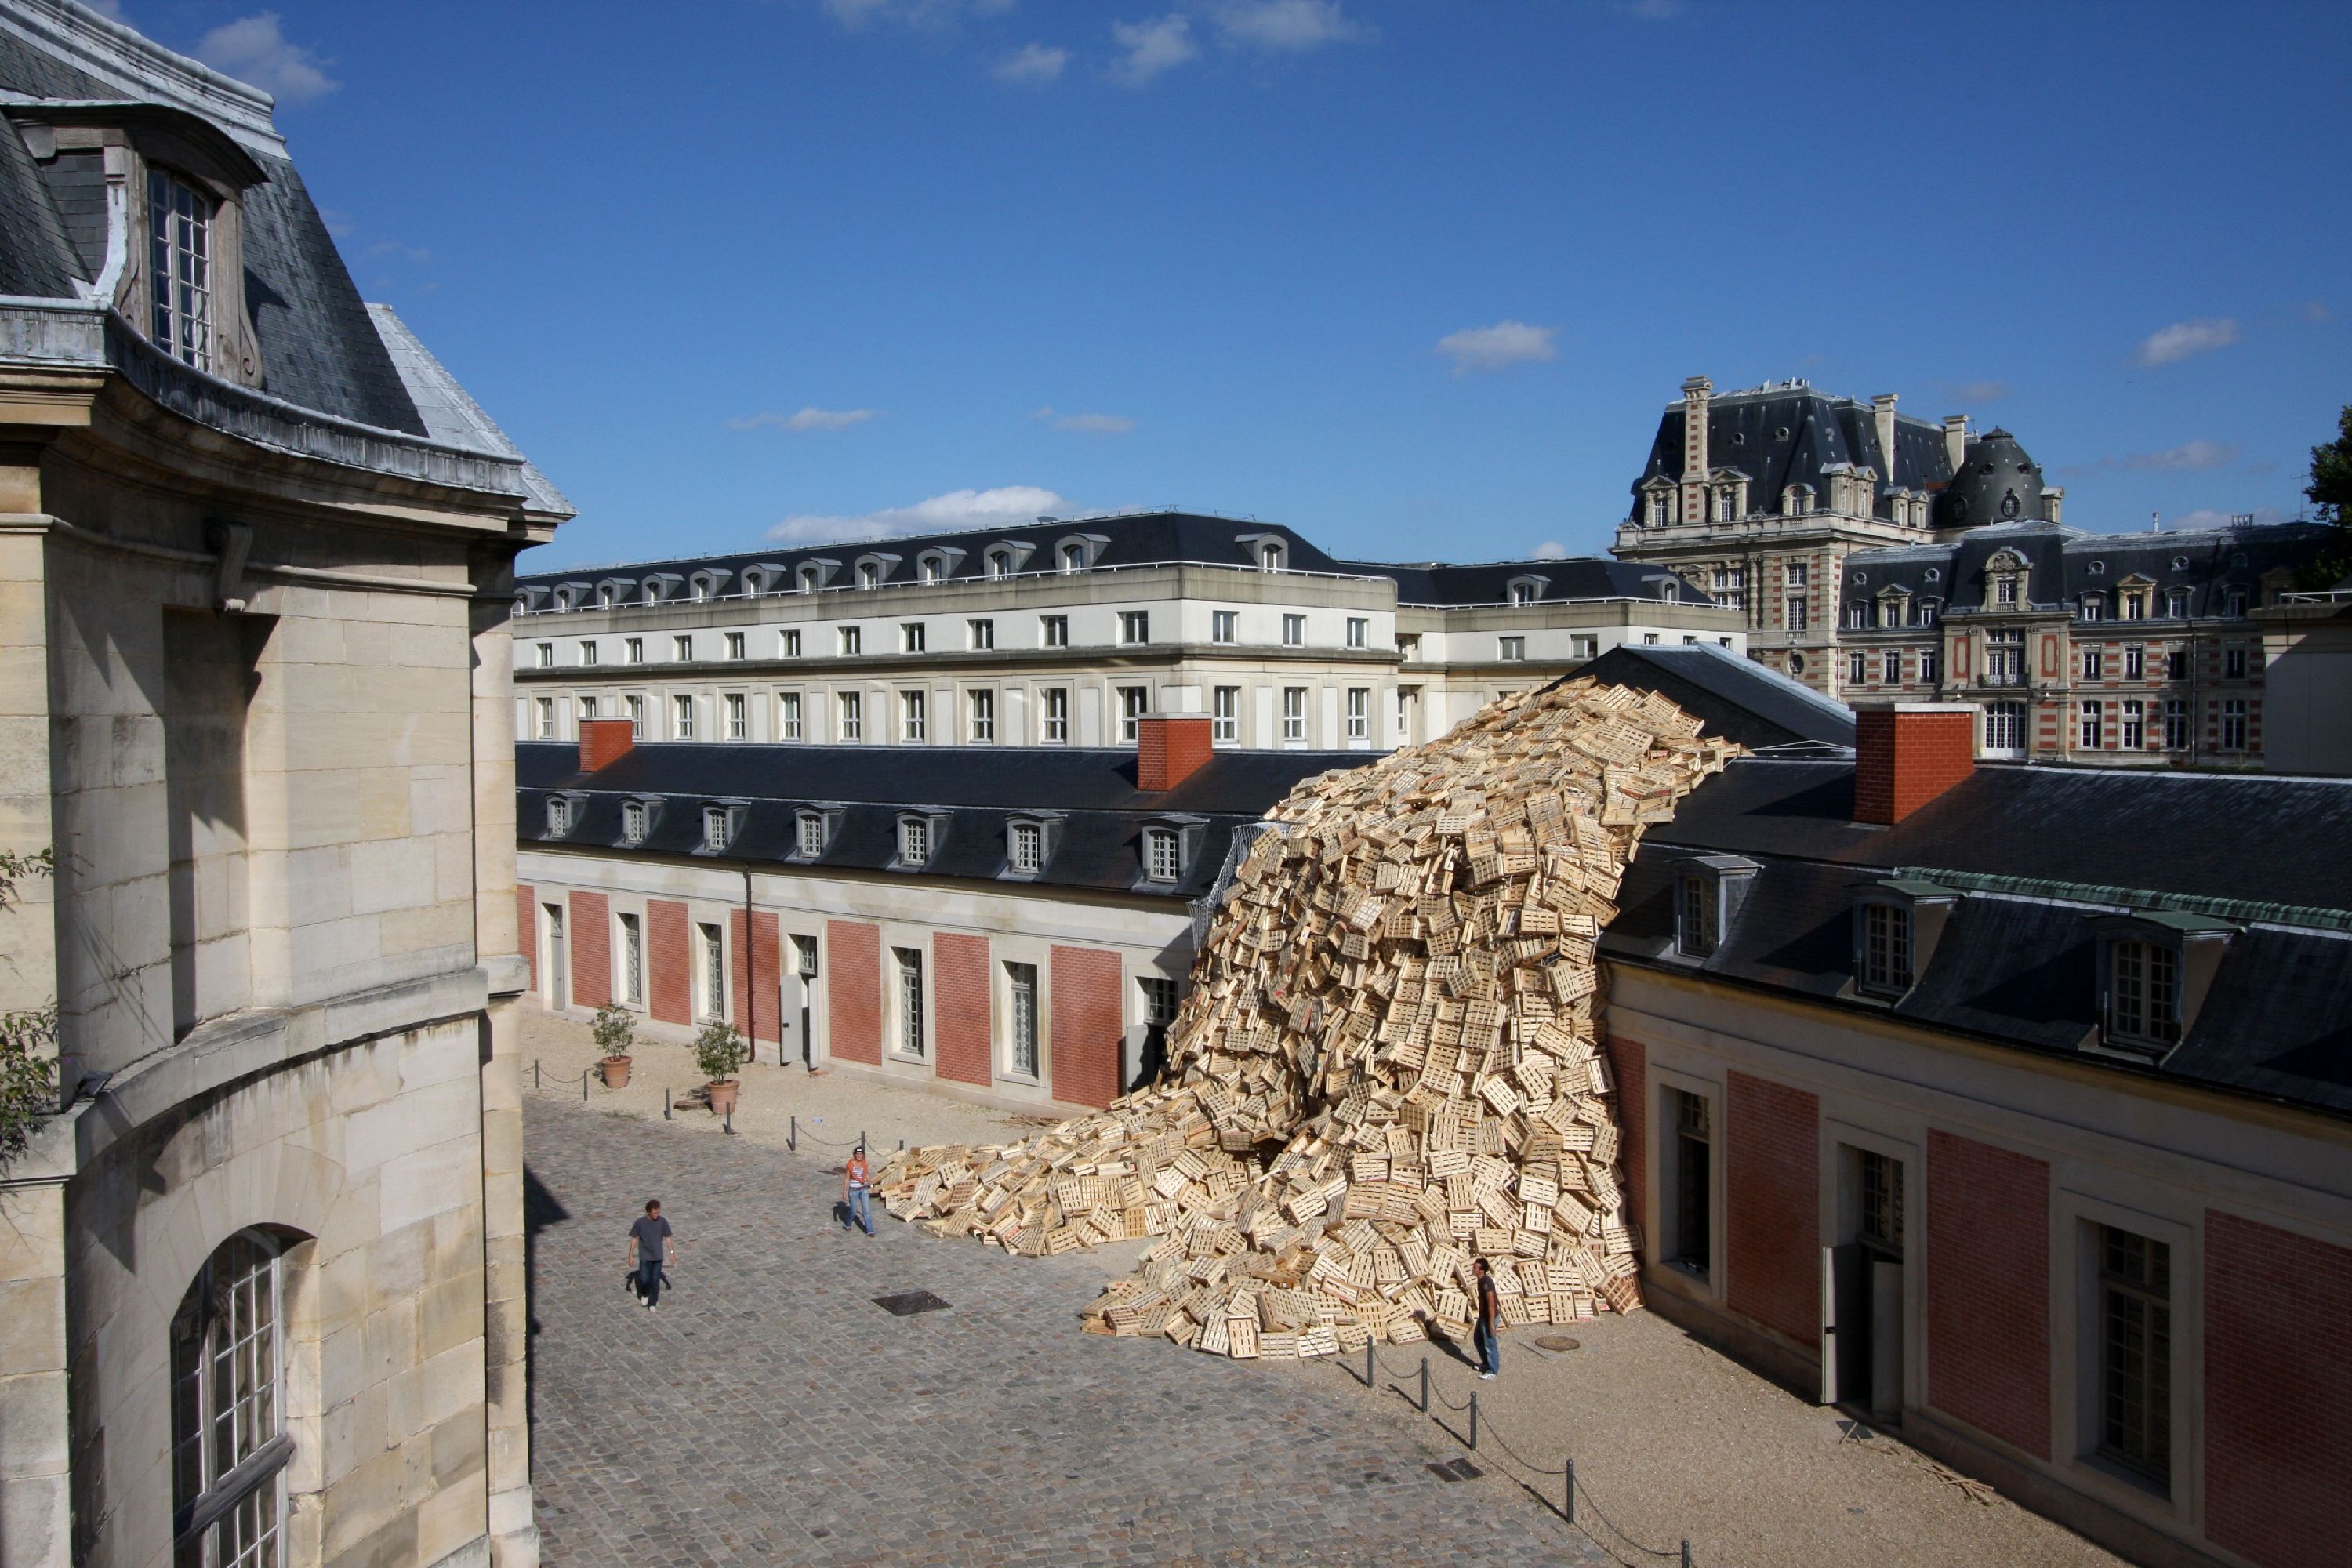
1031	64
1008	506
415	253
2185	339
339	224
253	49
1087	424
1549	550
1150	48
1493	348
810	418
1982	391
1285	25
2186	458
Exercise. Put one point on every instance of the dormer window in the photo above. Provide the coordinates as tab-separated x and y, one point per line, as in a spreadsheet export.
1886	965
934	570
809	835
1708	892
2143	992
1659	515
1527	590
810	580
2004	590
179	268
1024	848
1163	854
1072	557
2095	606
633	816
718	823
869	574
559	815
1269	555
914	841
999	562
1725	503
1896	924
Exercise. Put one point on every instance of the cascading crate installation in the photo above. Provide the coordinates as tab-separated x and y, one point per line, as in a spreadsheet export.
1389	1064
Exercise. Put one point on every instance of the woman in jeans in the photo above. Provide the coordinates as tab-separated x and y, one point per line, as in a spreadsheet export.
853	1189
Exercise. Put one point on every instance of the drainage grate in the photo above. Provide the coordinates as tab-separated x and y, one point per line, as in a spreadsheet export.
907	1303
1456	1470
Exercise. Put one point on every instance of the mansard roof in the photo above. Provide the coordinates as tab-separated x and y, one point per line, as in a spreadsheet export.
1148	539
322	352
1790	434
1090	791
2063	564
2038	856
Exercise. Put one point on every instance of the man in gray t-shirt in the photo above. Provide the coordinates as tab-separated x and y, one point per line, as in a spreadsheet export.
650	1246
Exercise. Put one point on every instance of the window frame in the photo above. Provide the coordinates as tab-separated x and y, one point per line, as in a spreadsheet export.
1294	630
1134	627
1511	649
849	713
1054	716
1164	856
182	297
980	716
1225	715
910	997
1053	631
1134	706
1293	715
1224	628
1023	980
213	1494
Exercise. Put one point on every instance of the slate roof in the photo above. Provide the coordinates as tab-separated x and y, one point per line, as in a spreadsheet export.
1736	698
1091	793
1145	539
1788	435
2038	854
2065	563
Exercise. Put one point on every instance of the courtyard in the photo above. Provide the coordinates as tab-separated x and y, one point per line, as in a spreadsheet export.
772	1412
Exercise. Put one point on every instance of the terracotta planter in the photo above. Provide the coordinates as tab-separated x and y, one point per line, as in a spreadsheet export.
722	1096
615	1070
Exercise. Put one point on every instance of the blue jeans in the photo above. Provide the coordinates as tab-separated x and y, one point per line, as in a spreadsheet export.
1490	1349
649	1281
858	1211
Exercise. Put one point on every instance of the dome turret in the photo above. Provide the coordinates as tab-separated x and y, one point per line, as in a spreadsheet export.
1997	482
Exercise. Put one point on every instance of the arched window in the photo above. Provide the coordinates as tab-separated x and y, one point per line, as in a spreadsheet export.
1074	557
1000	562
810	580
869	575
1269	555
229	1446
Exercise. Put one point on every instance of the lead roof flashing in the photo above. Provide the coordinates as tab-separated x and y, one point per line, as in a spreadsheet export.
2184	911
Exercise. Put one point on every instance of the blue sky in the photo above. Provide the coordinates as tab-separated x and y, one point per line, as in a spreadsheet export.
1414	277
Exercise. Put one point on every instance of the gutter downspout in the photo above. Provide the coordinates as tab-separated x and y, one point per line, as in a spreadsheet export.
751	980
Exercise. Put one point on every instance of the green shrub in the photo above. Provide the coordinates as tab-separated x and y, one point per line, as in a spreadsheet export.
615	1029
720	1051
28	1041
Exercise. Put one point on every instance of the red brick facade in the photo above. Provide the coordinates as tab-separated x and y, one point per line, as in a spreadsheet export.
1167	751
527	929
853	990
1629	1063
1772	1193
2278	1392
1090	1027
754	983
1988	1289
1903	760
591	949
960	1009
669	987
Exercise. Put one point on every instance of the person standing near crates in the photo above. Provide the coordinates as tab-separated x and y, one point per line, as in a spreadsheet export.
1490	1315
854	1178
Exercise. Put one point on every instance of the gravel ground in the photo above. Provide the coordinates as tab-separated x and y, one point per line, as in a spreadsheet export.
1671	1440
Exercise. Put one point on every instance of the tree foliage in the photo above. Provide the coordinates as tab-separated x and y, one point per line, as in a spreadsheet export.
28	1040
2331	496
719	1050
615	1029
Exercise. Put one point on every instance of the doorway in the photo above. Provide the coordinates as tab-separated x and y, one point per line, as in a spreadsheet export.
805	973
1862	1287
559	977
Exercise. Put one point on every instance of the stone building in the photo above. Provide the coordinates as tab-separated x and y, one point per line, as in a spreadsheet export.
2005	1108
1014	929
1065	633
1876	557
263	1273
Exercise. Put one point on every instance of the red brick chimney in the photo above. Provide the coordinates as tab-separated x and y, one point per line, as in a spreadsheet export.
1908	753
603	740
1169	749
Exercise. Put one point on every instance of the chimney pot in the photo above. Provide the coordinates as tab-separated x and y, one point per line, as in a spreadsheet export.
1908	753
603	740
1955	440
1169	749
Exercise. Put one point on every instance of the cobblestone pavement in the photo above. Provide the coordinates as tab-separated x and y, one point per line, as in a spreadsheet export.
771	1412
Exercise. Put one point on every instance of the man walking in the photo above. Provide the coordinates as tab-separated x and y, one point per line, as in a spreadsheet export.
853	1189
649	1247
1490	1314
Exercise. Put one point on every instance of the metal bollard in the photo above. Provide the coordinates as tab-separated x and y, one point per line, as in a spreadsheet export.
1572	1491
902	1145
1474	1420
861	1138
583	1084
1685	1554
664	1105
731	1122
1368	1363
1424	1385
534	1072
792	1135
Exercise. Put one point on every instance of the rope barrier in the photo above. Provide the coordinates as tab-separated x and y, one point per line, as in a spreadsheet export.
1481	1429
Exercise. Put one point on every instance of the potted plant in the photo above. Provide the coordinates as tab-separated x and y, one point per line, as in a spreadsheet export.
614	1028
720	1052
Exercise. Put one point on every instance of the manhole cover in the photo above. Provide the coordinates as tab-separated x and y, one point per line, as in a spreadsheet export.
907	1303
1456	1470
1555	1342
